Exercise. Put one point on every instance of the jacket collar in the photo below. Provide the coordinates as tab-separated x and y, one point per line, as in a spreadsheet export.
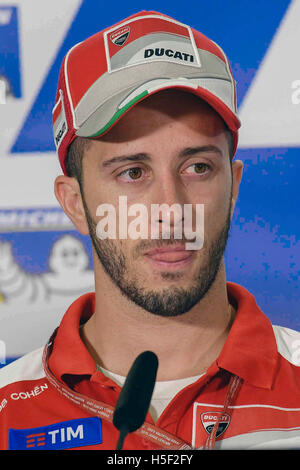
250	350
69	354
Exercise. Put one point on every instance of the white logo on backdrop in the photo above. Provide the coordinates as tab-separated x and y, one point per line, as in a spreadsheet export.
269	113
68	274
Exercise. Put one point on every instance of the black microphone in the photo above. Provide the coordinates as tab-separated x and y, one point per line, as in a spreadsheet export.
135	397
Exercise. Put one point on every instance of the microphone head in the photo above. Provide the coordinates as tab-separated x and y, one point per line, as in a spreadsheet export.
135	397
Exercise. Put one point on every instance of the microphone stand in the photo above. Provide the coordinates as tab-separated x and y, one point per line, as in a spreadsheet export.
123	433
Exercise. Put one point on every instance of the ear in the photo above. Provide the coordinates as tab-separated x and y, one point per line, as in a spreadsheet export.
237	171
67	192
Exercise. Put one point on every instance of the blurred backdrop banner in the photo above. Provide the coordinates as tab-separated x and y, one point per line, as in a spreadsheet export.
44	262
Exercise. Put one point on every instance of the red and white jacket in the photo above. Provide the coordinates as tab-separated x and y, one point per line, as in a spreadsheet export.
249	398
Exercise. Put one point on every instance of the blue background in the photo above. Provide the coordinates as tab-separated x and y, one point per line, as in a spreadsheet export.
10	66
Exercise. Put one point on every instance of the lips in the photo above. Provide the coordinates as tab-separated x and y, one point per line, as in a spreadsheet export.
169	255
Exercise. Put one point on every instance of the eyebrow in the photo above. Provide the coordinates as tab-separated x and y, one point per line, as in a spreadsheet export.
187	152
124	158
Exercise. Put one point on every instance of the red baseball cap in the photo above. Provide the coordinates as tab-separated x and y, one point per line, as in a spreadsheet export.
104	76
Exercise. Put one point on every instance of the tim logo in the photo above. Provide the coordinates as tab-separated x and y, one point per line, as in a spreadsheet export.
209	419
120	36
35	440
65	435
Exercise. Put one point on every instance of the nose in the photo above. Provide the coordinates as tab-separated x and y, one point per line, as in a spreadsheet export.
167	201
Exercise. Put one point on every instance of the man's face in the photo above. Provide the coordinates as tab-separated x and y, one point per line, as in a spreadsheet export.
170	148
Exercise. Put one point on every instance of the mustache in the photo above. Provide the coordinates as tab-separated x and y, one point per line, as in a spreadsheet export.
145	244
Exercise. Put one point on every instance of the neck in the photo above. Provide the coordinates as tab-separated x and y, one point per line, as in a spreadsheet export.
186	345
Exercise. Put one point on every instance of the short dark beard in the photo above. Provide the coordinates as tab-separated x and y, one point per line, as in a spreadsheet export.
169	302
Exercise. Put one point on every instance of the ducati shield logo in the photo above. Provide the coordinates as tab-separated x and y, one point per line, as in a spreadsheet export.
120	36
209	419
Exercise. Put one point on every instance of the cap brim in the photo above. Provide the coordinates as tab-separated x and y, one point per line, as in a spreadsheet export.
127	99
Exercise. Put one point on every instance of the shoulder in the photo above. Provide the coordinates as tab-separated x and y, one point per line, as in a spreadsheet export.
288	343
28	367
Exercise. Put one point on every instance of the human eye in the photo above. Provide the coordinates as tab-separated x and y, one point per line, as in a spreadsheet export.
197	169
131	174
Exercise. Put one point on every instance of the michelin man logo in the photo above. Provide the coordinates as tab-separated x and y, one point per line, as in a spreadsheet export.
69	274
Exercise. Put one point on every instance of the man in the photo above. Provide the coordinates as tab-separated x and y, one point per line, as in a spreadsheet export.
146	111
